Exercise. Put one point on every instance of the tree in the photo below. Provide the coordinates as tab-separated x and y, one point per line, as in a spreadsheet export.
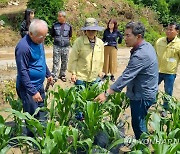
162	7
46	10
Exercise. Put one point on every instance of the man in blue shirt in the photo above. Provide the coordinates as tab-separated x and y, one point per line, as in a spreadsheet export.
32	69
140	77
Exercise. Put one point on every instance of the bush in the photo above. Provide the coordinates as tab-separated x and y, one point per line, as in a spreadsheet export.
9	90
167	10
3	3
47	10
151	34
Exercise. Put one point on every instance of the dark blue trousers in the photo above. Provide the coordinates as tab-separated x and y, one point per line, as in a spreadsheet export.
139	110
30	106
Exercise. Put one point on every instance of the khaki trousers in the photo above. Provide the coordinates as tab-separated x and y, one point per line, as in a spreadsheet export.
110	60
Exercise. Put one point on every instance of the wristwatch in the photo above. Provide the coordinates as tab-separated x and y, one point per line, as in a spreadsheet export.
106	93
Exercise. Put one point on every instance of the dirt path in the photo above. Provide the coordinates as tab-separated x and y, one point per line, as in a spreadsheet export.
8	67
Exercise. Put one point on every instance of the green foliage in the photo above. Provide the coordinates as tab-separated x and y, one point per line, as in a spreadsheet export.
151	34
174	6
63	133
12	20
47	12
4	135
167	10
121	26
63	99
4	18
119	102
165	131
9	91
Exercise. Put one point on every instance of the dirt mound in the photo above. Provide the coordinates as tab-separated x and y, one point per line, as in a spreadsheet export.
11	15
102	10
8	37
77	11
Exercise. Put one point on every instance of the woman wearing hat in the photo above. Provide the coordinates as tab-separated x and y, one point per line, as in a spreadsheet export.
111	37
87	55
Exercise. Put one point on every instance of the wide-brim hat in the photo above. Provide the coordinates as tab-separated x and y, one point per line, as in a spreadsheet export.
92	24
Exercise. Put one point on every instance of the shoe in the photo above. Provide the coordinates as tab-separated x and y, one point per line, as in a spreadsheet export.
63	78
112	78
163	113
55	79
104	77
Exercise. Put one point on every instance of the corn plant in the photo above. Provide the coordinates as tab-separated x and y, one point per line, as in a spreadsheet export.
162	141
63	139
175	112
117	105
4	136
50	140
166	130
6	141
64	133
164	138
89	93
15	104
61	107
93	114
95	122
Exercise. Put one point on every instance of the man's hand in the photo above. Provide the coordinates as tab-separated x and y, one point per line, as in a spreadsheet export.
37	97
101	98
50	80
73	78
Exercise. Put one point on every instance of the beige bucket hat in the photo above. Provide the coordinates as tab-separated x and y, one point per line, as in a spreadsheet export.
92	24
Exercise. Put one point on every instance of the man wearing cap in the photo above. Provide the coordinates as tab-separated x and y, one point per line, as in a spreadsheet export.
87	55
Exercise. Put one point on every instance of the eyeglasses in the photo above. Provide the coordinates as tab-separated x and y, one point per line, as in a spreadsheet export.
41	36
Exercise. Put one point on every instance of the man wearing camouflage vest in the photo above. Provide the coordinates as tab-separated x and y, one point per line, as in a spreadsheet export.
61	32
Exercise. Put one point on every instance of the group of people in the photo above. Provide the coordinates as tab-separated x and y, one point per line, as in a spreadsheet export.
90	57
61	32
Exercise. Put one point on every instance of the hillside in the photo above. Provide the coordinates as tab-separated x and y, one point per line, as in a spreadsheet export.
77	11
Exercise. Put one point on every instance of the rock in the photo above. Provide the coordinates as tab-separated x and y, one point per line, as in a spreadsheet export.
94	4
10	3
88	2
15	3
2	22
